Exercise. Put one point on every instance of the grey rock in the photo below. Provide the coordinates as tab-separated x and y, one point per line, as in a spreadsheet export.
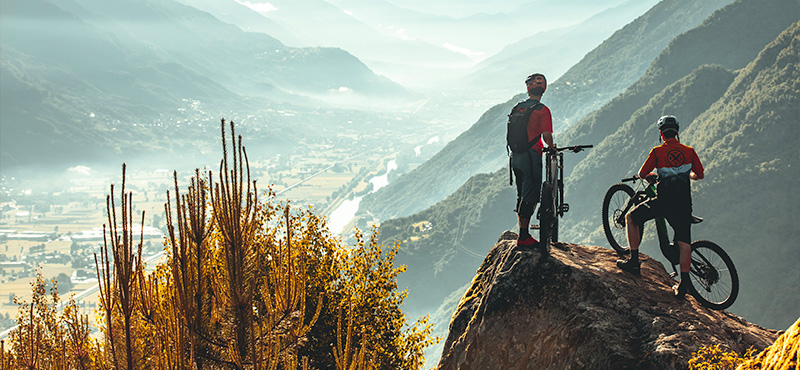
576	310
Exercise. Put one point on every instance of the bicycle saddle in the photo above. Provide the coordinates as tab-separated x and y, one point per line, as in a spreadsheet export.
696	220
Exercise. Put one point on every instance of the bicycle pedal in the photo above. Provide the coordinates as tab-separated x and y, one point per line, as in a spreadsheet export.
564	208
534	227
673	274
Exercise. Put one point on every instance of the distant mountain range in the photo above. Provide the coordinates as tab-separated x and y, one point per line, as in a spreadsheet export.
733	83
413	47
602	74
552	52
83	76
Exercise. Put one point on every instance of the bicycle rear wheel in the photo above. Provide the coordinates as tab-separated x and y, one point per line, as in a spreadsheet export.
613	218
715	283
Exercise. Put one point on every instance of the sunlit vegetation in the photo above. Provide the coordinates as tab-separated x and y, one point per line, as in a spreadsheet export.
247	283
714	358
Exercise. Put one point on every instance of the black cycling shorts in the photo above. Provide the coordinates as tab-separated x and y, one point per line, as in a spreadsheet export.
527	169
678	214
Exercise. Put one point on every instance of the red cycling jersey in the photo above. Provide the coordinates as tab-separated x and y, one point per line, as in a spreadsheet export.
673	159
541	121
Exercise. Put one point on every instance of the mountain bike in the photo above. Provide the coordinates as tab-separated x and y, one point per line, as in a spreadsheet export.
714	281
552	198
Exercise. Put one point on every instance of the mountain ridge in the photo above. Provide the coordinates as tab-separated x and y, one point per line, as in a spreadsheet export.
733	47
99	73
725	113
553	51
481	147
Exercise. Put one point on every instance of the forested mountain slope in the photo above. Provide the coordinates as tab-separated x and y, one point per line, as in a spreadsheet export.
747	140
606	71
751	194
742	118
444	244
618	62
731	37
745	126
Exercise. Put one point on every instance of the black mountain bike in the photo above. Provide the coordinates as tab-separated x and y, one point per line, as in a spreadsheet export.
552	198
715	283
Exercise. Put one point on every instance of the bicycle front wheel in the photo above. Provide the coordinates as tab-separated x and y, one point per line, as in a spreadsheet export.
614	205
546	215
715	283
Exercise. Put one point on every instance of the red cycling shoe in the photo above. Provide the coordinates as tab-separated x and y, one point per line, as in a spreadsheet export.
527	242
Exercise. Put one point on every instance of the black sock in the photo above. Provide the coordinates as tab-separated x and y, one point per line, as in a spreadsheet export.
523	233
684	278
635	255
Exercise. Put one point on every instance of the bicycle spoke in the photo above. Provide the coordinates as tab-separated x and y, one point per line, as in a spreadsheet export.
614	204
714	282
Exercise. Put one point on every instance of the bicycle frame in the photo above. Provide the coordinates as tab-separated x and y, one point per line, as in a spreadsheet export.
668	248
552	201
554	176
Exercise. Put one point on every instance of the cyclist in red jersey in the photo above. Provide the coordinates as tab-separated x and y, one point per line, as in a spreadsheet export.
675	165
527	167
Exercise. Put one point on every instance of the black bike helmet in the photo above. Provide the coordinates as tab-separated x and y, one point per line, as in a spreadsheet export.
536	83
668	123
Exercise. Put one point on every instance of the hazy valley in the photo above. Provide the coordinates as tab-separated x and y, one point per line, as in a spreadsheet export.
392	113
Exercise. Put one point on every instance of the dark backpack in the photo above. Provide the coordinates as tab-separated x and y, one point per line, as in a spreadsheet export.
517	128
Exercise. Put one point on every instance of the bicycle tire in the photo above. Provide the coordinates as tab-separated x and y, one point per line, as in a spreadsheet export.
713	272
556	215
546	214
613	205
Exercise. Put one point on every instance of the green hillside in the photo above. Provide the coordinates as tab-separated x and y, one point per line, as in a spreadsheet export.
621	153
731	37
599	76
480	149
444	244
745	126
613	66
749	141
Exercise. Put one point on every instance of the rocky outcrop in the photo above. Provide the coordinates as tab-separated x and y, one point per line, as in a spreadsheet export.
575	309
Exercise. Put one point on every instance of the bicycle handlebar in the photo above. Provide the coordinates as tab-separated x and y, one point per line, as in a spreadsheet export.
574	148
636	177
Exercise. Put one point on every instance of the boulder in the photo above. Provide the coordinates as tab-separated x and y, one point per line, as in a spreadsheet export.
574	309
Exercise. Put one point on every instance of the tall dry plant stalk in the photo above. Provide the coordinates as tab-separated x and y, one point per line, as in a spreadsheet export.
117	287
6	358
188	264
234	204
347	357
